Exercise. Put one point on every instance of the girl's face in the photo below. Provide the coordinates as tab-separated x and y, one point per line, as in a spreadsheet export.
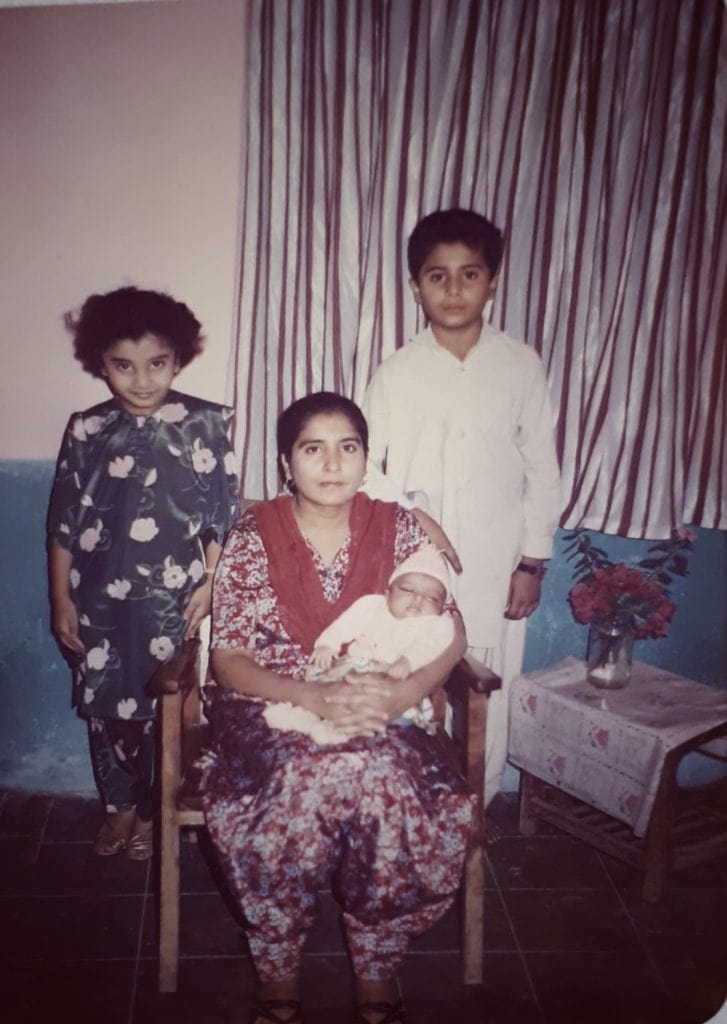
140	373
328	461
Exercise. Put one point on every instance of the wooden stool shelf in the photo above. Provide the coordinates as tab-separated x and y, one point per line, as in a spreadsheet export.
630	806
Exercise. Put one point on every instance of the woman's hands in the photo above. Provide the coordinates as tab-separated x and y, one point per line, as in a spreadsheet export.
361	705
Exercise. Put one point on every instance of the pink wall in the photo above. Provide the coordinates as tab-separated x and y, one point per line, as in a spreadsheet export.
119	161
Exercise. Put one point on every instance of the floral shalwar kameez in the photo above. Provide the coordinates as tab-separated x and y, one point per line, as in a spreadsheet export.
136	500
382	821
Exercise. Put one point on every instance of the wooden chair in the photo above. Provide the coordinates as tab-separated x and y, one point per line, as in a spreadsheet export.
182	734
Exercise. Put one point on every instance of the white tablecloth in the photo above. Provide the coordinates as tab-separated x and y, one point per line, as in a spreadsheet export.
608	747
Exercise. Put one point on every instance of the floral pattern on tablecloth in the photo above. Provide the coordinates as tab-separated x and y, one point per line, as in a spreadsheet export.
608	747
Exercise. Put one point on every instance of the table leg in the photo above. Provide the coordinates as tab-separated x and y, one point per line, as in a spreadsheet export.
528	823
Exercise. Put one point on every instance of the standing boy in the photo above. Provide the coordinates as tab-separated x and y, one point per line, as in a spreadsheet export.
461	426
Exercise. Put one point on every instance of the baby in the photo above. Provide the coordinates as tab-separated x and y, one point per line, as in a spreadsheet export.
392	634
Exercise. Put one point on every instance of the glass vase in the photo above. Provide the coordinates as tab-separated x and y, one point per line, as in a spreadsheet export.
610	651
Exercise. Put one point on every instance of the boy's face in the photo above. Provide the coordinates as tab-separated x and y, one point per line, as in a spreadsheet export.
140	373
415	593
454	285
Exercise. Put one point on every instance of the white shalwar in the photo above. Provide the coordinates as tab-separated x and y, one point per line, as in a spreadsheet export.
471	442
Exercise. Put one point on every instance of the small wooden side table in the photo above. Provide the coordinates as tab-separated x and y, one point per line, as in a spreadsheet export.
602	765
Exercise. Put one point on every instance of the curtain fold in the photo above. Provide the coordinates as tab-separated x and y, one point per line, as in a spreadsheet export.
592	131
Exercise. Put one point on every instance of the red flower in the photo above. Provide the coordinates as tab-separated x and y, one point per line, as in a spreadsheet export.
629	597
625	595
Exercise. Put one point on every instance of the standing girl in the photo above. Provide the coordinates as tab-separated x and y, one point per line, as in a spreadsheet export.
144	493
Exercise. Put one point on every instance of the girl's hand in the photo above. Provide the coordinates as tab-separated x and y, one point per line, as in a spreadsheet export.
64	624
197	608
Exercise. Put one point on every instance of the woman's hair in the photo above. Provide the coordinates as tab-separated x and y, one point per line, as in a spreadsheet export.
292	420
130	313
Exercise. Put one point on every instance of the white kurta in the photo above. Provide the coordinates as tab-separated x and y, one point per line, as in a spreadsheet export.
471	442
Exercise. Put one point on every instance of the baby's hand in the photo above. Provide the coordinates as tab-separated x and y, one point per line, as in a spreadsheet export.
322	657
399	669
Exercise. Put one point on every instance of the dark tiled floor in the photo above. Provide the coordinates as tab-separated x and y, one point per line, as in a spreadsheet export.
568	939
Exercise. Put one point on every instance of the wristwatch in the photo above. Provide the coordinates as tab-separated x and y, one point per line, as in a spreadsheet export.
532	570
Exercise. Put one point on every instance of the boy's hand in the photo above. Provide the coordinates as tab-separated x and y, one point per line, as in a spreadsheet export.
322	657
64	624
523	597
197	608
438	537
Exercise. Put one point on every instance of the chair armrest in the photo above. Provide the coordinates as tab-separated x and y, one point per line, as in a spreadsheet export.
179	673
469	675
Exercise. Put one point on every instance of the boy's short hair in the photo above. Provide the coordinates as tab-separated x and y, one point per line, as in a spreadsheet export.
465	226
131	313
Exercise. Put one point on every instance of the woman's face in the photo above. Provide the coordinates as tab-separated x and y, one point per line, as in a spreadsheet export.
328	461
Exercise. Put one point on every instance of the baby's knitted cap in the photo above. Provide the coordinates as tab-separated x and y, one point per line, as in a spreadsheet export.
427	561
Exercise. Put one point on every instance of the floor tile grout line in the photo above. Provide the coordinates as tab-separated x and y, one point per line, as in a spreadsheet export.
515	935
139	945
44	829
647	950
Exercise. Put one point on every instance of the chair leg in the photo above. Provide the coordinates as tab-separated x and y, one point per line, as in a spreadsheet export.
169	906
473	915
474	872
170	769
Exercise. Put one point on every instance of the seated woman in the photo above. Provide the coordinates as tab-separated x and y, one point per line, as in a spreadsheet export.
378	818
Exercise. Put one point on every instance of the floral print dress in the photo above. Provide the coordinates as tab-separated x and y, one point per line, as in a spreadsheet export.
382	820
136	500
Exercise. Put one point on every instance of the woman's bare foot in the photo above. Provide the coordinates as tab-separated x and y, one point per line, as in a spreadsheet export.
378	1002
278	1002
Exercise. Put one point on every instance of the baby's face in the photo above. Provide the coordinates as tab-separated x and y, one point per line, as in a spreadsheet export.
415	593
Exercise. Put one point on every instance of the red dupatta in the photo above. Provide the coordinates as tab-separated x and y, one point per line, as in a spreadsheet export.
294	578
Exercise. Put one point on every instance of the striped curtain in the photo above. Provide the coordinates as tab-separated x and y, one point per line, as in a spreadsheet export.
594	132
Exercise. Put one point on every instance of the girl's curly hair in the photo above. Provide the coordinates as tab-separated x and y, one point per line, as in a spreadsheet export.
131	313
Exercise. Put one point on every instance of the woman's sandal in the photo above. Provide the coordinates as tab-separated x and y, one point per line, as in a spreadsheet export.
267	1009
386	1013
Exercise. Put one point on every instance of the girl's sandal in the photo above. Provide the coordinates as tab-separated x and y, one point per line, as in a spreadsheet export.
140	845
113	836
379	1013
268	1010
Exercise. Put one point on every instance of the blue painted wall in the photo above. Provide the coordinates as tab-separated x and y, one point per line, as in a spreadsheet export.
43	744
